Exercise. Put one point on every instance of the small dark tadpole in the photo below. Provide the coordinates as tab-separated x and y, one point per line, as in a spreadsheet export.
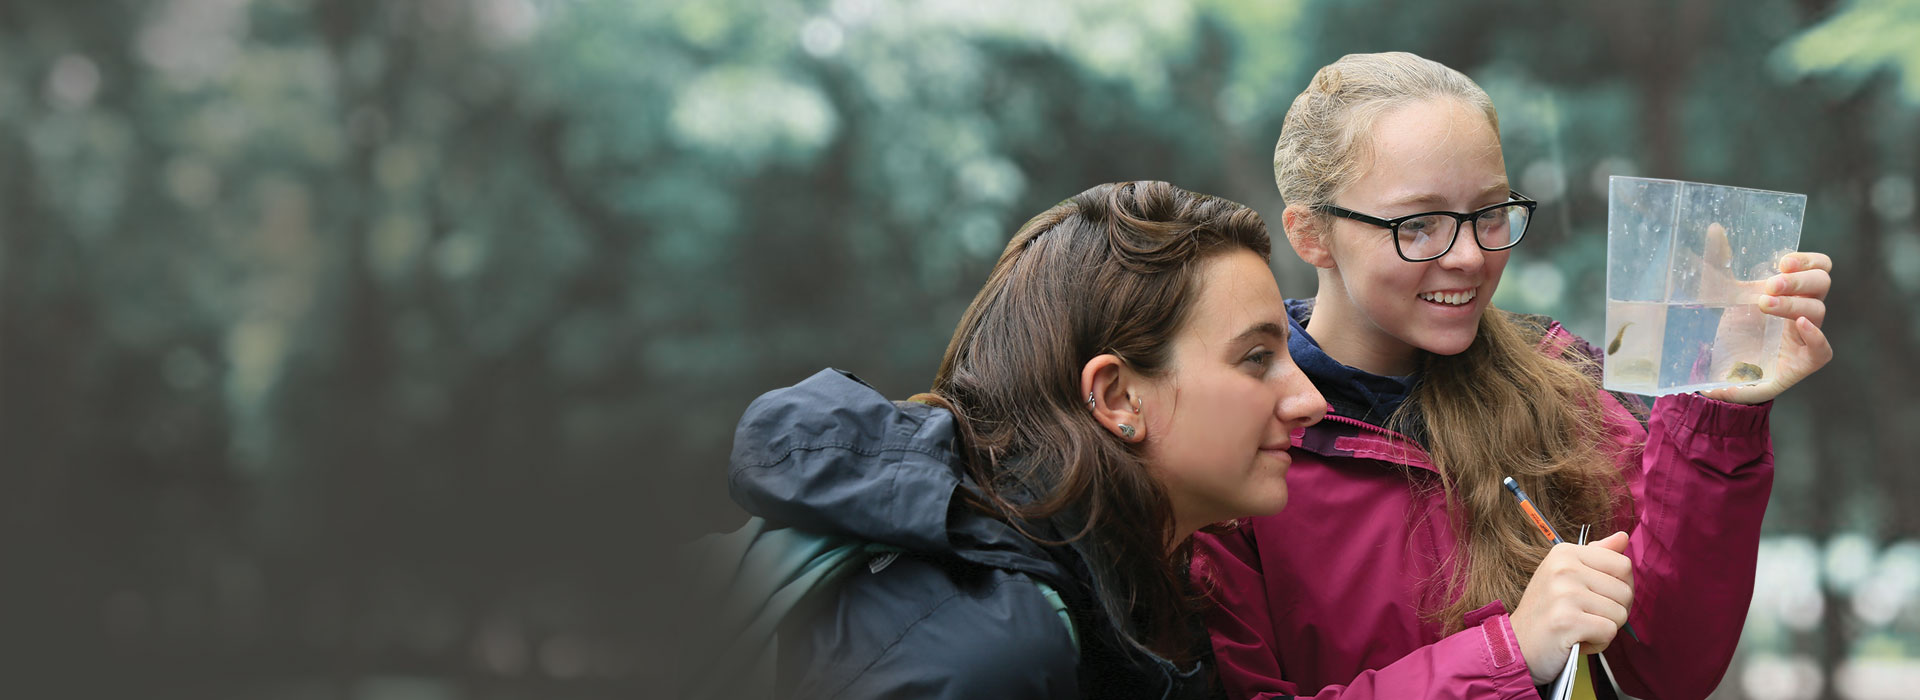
1614	346
1745	372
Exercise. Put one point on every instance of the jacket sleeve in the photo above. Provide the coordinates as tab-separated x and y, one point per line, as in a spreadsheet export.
1700	487
1482	661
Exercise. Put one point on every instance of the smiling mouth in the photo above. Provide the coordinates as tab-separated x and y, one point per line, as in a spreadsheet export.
1449	298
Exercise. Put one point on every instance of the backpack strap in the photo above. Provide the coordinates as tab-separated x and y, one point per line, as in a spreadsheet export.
1060	608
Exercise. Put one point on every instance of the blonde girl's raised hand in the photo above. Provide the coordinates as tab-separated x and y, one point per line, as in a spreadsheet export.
1798	294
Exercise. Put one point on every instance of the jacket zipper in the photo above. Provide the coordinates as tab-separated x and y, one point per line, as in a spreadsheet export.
1368	426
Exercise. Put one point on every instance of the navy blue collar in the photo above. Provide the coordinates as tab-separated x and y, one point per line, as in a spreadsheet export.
1354	393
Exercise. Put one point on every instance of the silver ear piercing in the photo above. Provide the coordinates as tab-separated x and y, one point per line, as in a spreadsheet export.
1090	403
1126	431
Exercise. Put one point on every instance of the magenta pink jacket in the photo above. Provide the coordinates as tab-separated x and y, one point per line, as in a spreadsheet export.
1325	599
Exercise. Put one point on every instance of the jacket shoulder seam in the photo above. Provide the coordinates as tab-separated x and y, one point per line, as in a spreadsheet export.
850	447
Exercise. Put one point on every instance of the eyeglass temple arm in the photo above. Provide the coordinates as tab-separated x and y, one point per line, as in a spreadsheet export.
1346	213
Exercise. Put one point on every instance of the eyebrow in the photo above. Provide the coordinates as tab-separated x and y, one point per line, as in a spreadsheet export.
1264	328
1433	198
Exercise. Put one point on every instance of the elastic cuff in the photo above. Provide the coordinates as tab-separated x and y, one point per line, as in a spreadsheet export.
1704	416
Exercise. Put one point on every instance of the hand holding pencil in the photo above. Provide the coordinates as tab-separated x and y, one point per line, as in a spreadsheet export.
1578	594
1546	528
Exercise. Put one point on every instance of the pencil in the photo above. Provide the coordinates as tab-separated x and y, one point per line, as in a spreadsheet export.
1539	521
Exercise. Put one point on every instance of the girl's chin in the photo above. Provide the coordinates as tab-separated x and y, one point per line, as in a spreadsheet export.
1450	331
1269	506
1448	345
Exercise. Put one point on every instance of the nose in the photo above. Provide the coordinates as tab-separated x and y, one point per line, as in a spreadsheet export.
1466	253
1300	402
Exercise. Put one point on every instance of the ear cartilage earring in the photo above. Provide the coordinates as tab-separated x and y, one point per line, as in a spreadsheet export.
1126	431
1090	403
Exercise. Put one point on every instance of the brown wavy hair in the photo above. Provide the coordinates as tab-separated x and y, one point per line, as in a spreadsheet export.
1500	408
1111	270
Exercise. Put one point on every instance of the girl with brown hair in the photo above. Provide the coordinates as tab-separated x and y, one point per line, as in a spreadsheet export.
1120	382
1404	569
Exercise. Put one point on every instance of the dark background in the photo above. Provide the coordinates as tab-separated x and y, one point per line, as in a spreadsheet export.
380	350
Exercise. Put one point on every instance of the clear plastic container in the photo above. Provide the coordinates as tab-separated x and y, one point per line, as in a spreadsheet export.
1685	267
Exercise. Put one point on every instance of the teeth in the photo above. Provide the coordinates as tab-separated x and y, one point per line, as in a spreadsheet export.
1453	298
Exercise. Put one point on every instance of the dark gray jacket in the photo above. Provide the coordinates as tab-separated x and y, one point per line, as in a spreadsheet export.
958	616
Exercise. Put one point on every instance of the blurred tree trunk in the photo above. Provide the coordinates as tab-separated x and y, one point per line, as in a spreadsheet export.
1836	407
47	331
1834	410
1657	41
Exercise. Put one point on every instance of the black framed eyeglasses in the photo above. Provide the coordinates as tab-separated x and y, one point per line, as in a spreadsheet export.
1429	235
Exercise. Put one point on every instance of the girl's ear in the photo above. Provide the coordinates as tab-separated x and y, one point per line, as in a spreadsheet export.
1111	395
1306	235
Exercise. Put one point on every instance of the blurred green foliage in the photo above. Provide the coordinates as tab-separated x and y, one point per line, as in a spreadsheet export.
363	349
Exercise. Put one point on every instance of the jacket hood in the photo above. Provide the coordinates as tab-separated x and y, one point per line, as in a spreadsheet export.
832	455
